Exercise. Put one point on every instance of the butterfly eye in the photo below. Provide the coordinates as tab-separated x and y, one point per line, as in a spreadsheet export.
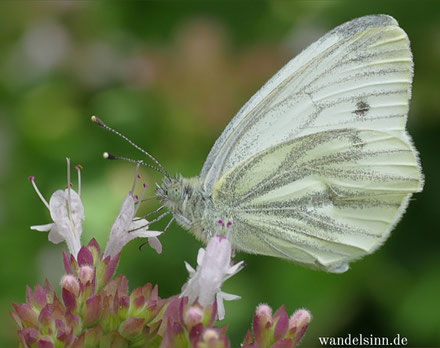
175	193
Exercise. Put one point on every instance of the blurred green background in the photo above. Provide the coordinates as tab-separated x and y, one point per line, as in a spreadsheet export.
171	75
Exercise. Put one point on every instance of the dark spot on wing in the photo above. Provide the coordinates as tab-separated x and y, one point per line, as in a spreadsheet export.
361	108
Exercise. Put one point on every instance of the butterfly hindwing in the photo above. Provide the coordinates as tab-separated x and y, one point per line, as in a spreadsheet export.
323	199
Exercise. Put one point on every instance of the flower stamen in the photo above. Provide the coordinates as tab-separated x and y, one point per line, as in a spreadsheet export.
139	199
136	177
69	184
69	199
78	170
32	180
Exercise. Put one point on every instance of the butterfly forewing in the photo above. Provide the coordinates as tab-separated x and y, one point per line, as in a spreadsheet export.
357	76
322	199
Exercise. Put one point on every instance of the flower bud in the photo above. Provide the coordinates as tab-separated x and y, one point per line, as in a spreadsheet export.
264	314
262	322
70	283
193	316
214	338
86	274
277	330
210	336
299	322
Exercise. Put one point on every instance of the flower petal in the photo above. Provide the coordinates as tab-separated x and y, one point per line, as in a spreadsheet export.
218	254
57	235
58	207
229	297
214	267
189	268
125	216
220	307
200	256
139	228
125	229
76	206
234	269
67	218
191	289
155	243
42	228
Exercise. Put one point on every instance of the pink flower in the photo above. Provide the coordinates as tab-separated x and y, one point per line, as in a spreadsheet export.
127	227
67	213
213	268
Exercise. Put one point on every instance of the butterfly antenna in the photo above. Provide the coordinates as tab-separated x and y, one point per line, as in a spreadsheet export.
160	168
109	156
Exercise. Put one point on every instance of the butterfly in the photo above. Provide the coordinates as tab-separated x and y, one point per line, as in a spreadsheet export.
317	167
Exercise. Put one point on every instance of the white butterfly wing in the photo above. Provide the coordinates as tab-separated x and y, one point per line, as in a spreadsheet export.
323	199
356	76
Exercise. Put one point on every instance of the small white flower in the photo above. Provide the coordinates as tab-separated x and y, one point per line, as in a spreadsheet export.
67	212
127	227
213	268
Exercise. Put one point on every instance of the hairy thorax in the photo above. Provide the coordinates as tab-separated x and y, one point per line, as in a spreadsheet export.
190	205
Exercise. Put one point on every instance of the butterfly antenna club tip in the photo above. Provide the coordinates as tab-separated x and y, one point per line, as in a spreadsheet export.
109	156
98	121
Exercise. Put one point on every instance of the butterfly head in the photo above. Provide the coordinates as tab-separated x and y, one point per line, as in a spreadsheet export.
171	192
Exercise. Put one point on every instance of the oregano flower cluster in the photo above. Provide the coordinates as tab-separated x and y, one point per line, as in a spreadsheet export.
96	309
